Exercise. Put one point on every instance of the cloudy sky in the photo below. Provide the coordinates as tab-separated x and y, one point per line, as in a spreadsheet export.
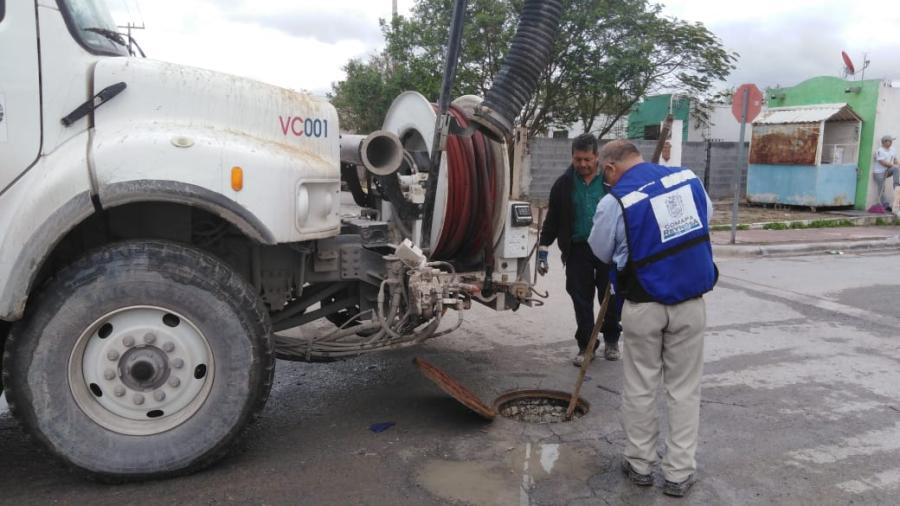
302	44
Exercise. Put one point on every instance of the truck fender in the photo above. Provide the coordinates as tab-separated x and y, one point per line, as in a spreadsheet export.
147	190
37	249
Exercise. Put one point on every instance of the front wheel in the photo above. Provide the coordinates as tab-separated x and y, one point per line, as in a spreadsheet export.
143	360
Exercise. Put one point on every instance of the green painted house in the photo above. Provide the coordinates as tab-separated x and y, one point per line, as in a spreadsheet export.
875	102
645	117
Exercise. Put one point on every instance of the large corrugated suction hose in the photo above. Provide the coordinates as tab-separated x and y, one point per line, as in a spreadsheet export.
522	67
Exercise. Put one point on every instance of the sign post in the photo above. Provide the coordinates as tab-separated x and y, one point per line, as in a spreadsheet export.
745	106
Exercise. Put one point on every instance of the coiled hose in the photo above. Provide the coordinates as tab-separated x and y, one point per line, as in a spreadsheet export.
522	67
471	192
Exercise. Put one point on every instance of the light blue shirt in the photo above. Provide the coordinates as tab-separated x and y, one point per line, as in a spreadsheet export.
608	240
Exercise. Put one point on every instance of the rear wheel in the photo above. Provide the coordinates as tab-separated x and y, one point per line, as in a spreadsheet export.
143	360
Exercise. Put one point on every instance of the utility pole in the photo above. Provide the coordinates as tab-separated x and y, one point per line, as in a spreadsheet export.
129	27
394	10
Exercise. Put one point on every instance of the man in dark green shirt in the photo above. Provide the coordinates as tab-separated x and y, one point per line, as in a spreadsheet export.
570	214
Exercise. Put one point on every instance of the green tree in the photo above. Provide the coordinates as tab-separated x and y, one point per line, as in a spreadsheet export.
609	54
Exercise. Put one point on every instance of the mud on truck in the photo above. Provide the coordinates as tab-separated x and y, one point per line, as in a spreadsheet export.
160	225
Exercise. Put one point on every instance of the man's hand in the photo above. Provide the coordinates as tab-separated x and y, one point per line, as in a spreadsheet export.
543	264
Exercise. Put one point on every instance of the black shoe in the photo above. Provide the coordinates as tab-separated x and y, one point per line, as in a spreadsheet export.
679	489
641	480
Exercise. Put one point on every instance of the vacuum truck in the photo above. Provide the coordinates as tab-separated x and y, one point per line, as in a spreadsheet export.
162	225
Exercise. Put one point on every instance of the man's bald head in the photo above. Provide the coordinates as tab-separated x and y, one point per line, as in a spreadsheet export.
616	157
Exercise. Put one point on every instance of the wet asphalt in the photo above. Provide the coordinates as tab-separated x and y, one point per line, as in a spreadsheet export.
801	405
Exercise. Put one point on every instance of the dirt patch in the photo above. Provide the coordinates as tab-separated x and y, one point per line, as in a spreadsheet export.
748	214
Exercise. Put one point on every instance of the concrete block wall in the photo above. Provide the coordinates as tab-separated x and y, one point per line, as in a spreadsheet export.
549	158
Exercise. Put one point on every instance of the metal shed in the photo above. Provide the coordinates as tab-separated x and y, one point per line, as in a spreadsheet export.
805	156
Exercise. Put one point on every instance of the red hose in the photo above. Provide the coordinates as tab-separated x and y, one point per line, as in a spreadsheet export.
471	193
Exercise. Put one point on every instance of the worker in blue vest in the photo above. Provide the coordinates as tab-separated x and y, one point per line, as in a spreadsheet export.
654	226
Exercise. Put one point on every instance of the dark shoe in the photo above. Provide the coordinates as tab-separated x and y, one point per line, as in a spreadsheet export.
679	489
611	352
641	480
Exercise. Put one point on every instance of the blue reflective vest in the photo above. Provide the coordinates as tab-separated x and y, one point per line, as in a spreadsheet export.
667	229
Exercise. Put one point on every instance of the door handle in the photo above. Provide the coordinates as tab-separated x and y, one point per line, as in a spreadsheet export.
96	101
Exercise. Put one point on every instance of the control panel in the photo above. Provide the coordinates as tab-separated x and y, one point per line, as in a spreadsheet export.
516	242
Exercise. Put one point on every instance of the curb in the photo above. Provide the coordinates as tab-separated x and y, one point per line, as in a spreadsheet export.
855	220
796	249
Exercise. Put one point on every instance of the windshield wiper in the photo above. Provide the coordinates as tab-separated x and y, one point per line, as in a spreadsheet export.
118	38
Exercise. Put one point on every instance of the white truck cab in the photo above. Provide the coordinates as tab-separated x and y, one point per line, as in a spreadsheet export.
159	222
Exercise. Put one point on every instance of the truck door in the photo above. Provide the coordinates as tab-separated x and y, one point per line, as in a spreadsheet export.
20	100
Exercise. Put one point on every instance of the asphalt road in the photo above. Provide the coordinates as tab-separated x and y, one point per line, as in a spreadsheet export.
801	405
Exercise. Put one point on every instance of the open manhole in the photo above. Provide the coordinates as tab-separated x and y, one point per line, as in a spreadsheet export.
539	406
529	406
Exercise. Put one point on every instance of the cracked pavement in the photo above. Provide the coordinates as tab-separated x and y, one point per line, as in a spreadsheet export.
801	405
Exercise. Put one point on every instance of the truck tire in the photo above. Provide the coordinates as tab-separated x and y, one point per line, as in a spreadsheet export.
143	360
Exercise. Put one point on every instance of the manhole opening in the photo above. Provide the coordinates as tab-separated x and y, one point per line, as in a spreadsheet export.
538	406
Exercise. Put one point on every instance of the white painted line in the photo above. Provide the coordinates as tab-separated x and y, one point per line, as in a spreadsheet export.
889	479
524	499
811	300
868	443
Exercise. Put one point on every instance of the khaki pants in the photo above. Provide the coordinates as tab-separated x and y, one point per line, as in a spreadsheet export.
662	344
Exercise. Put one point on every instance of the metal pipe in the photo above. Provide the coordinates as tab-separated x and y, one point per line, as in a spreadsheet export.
442	124
380	152
737	171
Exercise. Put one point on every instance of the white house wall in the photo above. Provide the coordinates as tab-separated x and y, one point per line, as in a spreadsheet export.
723	127
887	122
839	144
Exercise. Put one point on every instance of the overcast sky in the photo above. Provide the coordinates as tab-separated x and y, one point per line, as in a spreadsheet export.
302	44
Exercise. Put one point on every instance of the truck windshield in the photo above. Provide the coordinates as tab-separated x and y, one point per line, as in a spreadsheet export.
92	25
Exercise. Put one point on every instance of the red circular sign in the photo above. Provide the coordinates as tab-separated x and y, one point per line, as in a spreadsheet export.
754	104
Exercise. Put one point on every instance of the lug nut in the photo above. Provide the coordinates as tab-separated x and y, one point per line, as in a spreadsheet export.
138	399
112	355
109	374
177	363
128	341
174	382
168	347
159	395
149	338
119	391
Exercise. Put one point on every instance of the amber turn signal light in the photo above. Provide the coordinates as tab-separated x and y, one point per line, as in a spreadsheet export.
237	179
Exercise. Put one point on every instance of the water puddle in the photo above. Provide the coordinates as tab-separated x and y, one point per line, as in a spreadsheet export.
510	480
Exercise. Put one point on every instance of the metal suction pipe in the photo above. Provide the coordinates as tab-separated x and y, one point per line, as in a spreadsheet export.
380	152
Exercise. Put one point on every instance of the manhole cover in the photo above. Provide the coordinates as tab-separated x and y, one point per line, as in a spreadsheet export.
538	406
462	394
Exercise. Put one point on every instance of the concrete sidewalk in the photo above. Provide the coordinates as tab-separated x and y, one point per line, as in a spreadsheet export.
754	242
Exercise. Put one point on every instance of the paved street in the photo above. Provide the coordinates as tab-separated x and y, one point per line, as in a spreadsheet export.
801	405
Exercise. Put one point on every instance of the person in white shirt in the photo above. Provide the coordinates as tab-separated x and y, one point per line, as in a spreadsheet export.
885	165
